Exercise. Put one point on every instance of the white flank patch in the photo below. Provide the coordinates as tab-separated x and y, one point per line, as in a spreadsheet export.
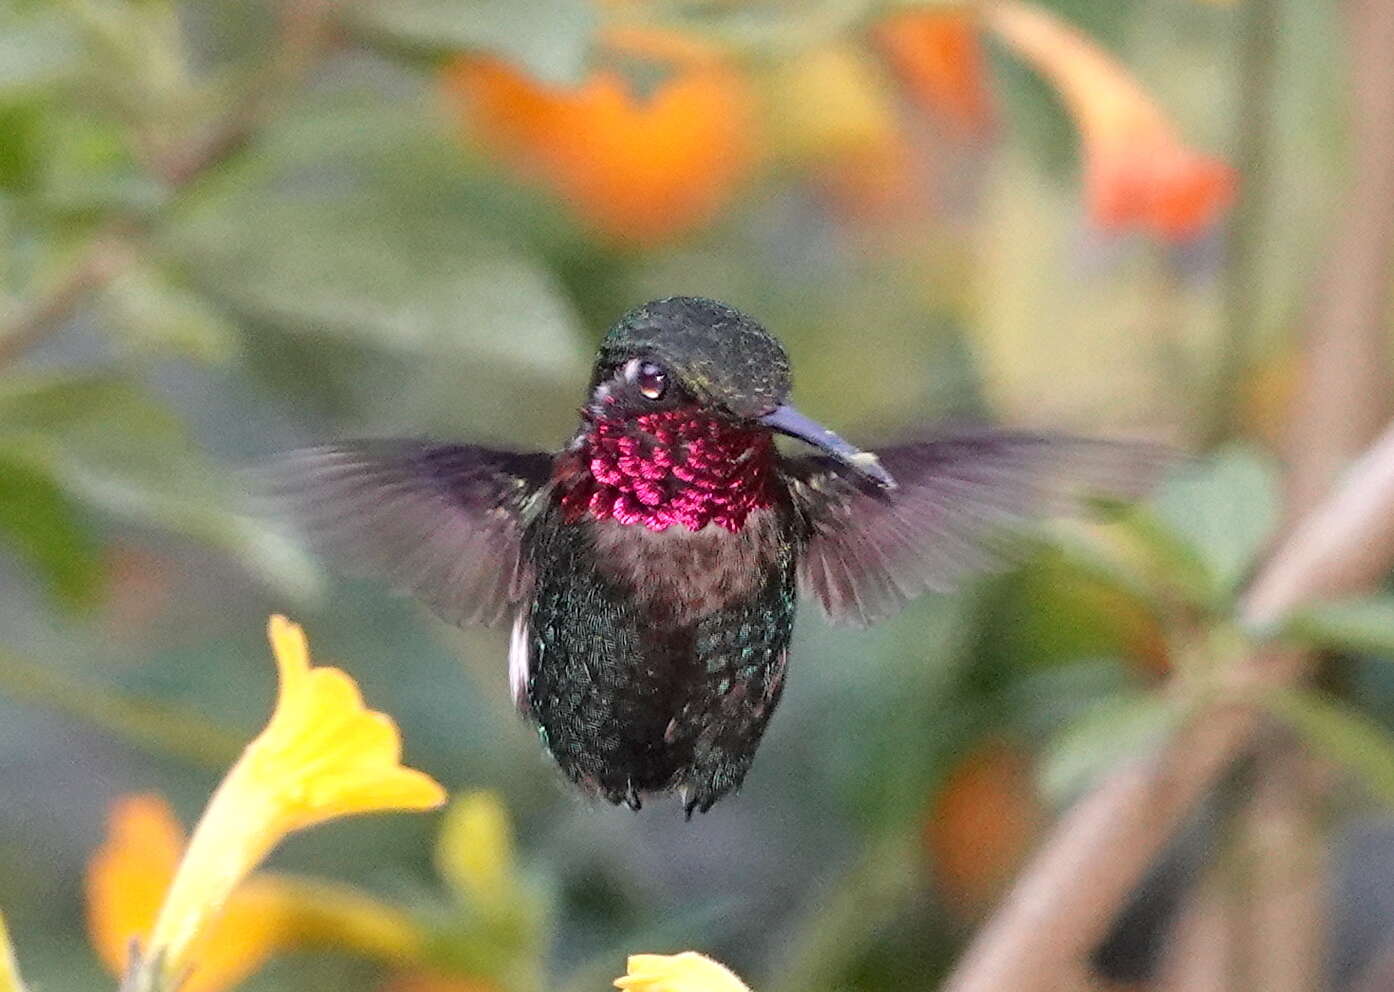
518	661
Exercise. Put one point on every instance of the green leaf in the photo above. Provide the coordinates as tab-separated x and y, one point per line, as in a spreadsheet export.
20	166
463	323
848	916
1340	733
549	39
1118	727
157	315
1044	700
37	49
389	279
1093	553
109	445
1361	625
38	522
1222	513
374	289
87	165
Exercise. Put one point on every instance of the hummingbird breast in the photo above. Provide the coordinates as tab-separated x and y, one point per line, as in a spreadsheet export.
655	657
678	576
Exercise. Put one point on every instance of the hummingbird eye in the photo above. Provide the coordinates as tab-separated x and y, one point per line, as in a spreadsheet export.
650	378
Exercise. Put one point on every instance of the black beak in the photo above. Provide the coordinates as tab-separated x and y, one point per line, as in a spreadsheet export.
786	420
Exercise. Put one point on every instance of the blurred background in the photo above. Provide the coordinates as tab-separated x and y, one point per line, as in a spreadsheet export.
229	228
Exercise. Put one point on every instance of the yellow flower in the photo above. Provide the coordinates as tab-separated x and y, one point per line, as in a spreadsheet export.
475	850
9	968
323	755
129	875
685	972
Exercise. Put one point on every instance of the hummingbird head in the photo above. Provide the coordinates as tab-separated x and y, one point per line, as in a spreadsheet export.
687	353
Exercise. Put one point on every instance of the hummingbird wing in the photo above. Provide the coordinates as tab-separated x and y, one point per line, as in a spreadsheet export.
443	522
868	550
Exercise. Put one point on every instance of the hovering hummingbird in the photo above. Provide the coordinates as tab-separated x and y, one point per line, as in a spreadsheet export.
650	569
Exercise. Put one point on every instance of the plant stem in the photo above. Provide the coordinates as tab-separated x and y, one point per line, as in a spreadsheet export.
1243	290
160	729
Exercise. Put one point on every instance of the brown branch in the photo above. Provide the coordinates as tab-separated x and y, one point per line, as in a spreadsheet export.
1253	124
1346	390
1346	543
304	36
1062	905
1284	857
1345	395
98	263
1199	955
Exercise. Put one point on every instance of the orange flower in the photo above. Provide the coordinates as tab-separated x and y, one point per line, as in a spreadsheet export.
638	168
981	823
938	56
129	877
126	884
1138	171
830	117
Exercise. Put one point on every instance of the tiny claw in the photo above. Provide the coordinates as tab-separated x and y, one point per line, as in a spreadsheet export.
632	800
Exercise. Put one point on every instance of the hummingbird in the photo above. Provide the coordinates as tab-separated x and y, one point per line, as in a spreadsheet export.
650	570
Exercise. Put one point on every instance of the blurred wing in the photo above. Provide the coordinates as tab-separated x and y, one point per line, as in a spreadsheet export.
958	500
443	522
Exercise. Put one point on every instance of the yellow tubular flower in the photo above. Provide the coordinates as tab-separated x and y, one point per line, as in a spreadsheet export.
475	850
9	969
323	755
685	972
